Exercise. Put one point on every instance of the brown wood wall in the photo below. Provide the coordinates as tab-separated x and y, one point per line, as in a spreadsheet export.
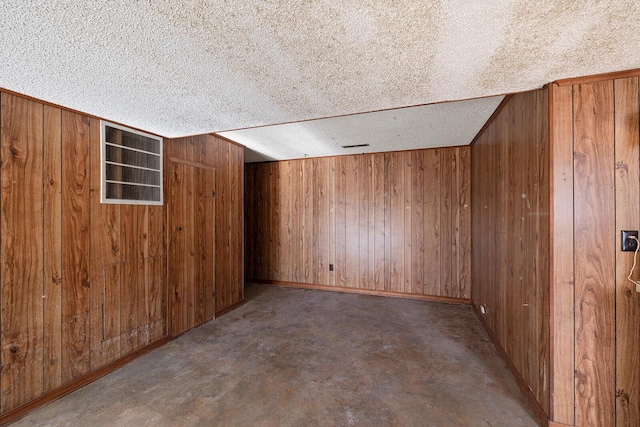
390	222
82	283
598	122
510	222
204	216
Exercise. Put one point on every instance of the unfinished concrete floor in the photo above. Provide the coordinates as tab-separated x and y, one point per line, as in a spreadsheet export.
293	357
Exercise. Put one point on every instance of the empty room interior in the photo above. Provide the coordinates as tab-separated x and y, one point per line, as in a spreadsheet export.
320	213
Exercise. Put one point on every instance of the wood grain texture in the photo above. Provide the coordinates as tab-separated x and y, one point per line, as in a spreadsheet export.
376	217
205	223
223	228
463	231
627	185
433	245
594	223
64	256
52	240
209	156
104	269
396	219
379	224
75	246
321	193
510	199
21	251
561	253
128	278
351	220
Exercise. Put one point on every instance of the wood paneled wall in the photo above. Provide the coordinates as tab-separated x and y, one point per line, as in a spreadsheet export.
204	216
82	283
598	312
511	236
389	222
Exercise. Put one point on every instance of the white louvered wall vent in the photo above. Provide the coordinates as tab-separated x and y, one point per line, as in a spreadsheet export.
131	166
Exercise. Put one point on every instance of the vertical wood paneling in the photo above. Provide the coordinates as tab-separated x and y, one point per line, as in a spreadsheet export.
396	212
210	158
378	218
52	240
352	208
363	281
332	221
285	241
431	222
510	270
205	222
228	226
446	221
128	279
222	227
320	221
417	221
61	253
105	273
627	183
188	229
408	220
341	222
371	222
307	218
594	218
143	276
297	221
562	303
21	251
236	213
201	263
75	240
463	188
380	222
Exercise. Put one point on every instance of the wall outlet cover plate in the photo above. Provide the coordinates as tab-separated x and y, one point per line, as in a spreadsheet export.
628	244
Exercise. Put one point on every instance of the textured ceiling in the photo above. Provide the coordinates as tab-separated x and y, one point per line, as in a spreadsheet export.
179	68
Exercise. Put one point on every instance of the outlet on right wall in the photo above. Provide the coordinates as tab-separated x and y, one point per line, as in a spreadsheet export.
555	177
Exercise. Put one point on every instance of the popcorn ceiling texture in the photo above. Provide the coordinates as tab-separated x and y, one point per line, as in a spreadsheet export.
179	68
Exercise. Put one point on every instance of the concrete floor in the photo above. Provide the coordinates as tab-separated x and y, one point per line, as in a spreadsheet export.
292	357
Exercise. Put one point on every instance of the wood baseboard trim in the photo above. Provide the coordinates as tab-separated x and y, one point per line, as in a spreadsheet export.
448	300
542	416
555	424
21	411
228	309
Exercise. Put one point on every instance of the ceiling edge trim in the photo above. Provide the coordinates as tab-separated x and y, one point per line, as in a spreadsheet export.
598	77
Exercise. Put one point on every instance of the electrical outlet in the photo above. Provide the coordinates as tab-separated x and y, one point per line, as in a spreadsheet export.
330	267
628	242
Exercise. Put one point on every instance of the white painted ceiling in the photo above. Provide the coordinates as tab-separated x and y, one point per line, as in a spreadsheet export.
179	68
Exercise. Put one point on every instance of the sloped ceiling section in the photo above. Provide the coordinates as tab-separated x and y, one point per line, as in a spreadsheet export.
179	68
428	126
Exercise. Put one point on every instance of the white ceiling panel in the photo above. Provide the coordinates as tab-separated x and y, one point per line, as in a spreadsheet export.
427	126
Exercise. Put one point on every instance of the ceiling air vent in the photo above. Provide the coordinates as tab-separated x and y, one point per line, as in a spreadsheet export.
355	146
